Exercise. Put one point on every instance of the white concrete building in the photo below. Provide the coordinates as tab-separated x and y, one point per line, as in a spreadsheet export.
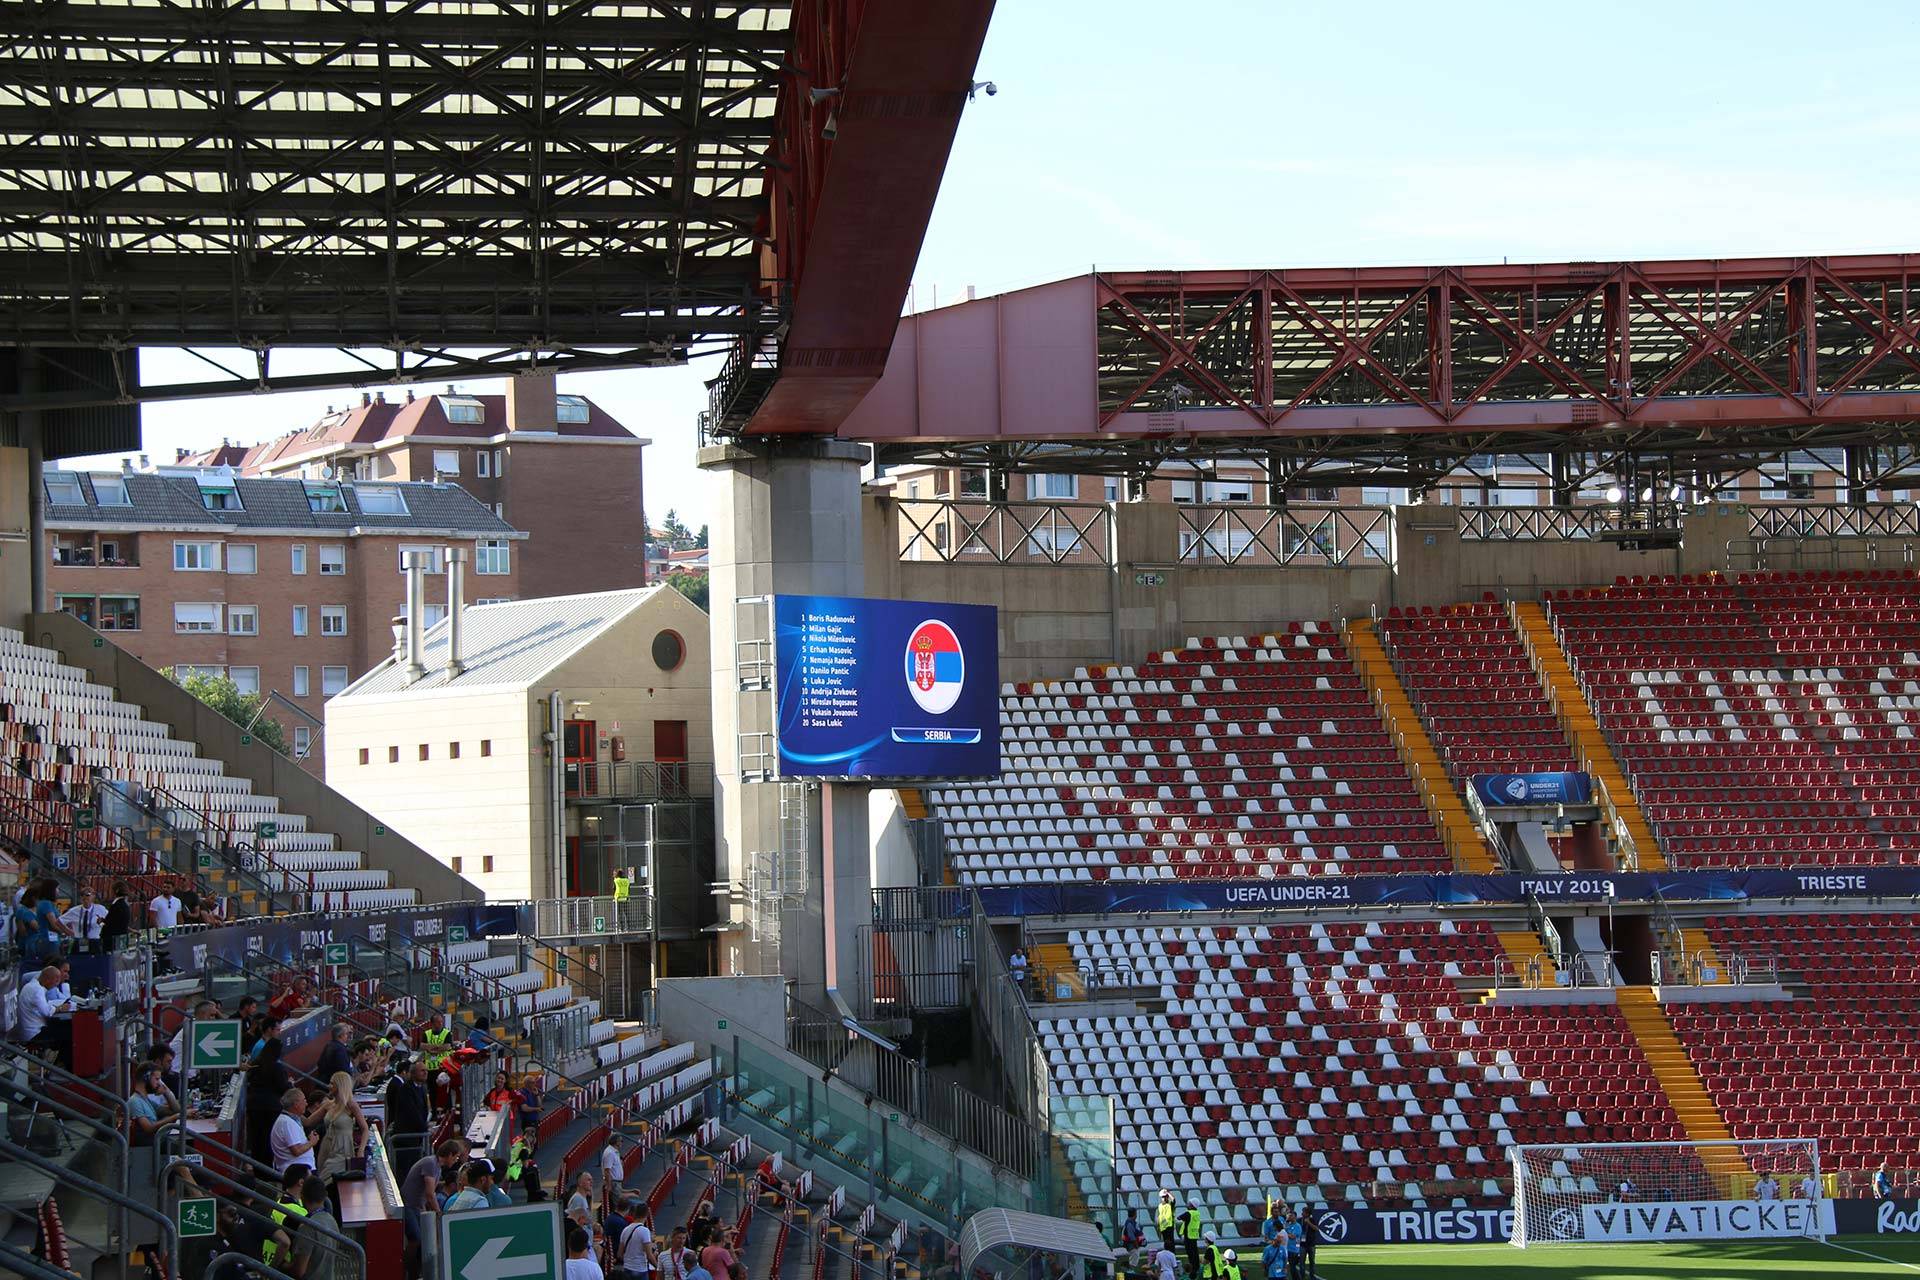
542	761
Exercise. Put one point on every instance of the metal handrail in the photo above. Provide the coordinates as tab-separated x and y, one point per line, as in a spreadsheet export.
241	1198
62	1175
244	858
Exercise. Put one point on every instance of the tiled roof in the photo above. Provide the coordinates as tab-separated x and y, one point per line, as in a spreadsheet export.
173	500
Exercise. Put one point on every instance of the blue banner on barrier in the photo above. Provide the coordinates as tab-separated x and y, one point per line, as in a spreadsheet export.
1288	892
298	939
1533	788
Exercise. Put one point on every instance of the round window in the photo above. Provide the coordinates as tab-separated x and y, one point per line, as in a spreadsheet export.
669	650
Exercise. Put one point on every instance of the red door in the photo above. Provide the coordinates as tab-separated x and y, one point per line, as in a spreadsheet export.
670	753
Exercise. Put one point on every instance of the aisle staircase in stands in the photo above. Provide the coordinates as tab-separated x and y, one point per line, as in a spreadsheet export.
1671	1065
1403	725
1583	730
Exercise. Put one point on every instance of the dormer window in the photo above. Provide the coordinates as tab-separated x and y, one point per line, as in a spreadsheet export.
464	410
63	490
325	499
571	409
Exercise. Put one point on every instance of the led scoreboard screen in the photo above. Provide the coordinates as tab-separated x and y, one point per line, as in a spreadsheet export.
886	688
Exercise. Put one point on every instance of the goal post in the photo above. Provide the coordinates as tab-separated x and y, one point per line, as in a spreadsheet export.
1641	1192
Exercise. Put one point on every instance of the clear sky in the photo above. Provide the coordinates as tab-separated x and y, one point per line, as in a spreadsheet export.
1133	133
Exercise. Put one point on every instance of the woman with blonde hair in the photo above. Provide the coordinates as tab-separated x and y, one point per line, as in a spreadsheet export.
343	1138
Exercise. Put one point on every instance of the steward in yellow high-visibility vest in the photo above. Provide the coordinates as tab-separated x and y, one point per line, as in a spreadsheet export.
436	1042
1228	1266
1163	1219
622	886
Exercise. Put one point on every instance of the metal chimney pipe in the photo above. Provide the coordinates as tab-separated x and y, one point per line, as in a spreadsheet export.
456	584
416	592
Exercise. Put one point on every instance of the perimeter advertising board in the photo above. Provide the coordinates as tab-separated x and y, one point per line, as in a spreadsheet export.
886	688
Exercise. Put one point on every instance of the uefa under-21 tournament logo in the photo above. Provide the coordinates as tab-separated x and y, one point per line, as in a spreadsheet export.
936	666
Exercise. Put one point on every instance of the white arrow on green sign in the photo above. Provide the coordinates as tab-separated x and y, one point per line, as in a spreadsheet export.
517	1243
337	953
194	1218
215	1045
456	933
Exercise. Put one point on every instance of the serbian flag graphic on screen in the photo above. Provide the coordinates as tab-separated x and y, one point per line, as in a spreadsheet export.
936	667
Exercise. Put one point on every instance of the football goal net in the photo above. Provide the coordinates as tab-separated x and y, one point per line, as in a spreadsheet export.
1639	1192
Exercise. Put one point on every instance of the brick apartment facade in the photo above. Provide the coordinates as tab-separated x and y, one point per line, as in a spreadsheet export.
555	466
289	586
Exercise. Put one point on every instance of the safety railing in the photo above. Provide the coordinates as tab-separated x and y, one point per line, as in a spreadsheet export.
640	780
1245	535
1795	554
1001	1010
992	1131
122	1206
961	531
254	864
1833	520
95	857
333	1252
1566	524
592	917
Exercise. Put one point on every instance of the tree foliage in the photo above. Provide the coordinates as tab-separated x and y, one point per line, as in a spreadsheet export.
691	585
224	696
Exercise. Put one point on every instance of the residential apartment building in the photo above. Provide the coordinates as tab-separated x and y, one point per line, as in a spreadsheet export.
288	586
556	466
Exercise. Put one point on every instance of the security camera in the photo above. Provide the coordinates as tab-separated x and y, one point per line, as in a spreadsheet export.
989	86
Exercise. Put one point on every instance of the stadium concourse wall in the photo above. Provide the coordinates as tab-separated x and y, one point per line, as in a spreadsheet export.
1144	598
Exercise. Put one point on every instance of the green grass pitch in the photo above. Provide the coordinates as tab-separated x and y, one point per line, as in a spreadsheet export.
1720	1260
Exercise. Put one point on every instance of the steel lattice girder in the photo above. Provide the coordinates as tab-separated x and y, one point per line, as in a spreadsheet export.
1656	344
502	173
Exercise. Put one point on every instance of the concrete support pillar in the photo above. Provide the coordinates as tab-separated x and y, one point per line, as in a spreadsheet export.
33	436
786	521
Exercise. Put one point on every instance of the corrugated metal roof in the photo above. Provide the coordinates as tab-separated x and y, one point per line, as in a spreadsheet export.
510	645
174	500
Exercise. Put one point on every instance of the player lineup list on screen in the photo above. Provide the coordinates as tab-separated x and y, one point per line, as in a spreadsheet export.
886	688
829	671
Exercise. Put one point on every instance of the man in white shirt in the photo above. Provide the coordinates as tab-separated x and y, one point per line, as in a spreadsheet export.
288	1142
634	1248
85	918
612	1172
1165	1263
38	1025
164	911
1809	1188
580	1263
1768	1188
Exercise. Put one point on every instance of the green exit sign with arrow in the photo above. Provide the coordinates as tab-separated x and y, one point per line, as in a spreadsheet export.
337	953
194	1218
215	1045
518	1243
266	830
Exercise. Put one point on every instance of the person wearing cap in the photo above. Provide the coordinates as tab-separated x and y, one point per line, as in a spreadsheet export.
1228	1266
1212	1262
1163	1218
475	1194
1191	1227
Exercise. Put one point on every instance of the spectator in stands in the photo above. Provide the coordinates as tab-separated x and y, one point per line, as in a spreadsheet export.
288	1142
161	1057
313	1252
1626	1192
338	1055
614	1221
343	1134
199	910
580	1203
63	990
84	921
1809	1188
119	918
717	1257
579	1265
1882	1182
147	1106
528	1103
409	1114
369	1060
502	1096
40	1021
267	1082
1017	966
676	1261
479	1181
295	997
1768	1188
613	1171
163	909
420	1189
633	1247
38	928
1132	1236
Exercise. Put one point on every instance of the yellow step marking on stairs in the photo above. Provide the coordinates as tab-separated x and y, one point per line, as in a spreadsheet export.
1457	832
1524	945
1582	728
1680	1082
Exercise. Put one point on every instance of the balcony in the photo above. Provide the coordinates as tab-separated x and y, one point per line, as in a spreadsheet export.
600	781
82	551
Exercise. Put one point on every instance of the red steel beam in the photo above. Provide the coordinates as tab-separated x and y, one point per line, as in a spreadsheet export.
887	79
1318	351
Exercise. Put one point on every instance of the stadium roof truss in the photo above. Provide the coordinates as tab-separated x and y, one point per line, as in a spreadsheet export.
1409	372
416	174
